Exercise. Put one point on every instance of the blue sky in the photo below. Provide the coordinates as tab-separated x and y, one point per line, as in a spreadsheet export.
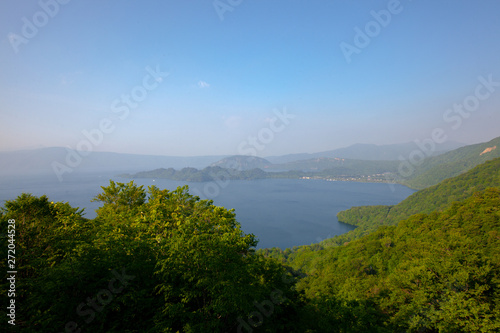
231	70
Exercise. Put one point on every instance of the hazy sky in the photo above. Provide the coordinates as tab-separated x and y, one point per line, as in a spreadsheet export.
337	72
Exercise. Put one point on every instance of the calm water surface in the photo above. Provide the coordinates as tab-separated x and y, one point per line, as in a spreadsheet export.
280	212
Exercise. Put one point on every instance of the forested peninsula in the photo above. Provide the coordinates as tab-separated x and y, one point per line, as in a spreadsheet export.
427	172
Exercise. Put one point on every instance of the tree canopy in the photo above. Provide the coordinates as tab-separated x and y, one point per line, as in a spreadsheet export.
183	264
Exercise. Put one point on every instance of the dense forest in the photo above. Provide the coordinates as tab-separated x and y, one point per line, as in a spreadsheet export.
151	261
435	272
165	261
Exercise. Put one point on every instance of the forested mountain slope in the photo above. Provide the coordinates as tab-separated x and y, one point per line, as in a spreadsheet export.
368	218
430	273
438	168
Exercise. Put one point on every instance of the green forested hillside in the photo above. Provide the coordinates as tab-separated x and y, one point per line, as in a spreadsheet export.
438	168
368	218
431	273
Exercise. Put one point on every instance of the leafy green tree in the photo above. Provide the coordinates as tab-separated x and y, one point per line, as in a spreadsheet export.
45	233
120	200
151	261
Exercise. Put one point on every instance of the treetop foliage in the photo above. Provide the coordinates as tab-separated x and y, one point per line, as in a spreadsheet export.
192	268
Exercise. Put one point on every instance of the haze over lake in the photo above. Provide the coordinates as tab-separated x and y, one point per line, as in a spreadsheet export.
280	212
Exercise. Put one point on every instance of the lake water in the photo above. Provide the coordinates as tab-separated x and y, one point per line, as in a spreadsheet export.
280	212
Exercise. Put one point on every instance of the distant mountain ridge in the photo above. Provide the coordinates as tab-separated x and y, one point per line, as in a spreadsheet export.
242	162
41	161
211	173
363	151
